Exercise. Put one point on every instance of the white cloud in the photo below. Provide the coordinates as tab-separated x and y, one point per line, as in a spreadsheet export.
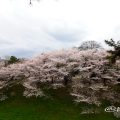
55	24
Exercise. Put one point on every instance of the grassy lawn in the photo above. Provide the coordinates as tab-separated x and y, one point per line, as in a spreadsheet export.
58	106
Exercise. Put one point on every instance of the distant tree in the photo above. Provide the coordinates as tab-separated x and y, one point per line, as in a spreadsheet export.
115	53
13	59
89	45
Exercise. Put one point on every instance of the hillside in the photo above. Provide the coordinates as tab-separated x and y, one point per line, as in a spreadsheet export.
87	73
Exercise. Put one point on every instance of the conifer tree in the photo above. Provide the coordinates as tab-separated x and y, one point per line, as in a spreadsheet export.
115	53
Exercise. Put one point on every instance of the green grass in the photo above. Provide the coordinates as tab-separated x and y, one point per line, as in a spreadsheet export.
58	106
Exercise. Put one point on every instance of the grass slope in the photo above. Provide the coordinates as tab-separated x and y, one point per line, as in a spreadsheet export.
58	106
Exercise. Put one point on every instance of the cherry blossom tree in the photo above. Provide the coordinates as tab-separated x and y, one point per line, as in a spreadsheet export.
87	72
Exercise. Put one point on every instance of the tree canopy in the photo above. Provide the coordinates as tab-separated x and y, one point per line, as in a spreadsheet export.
12	60
90	45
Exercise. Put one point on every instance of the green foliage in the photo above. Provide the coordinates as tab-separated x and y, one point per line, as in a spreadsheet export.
72	60
111	42
115	53
111	59
59	65
13	59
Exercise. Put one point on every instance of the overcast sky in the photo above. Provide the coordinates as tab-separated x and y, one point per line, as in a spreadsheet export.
26	30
